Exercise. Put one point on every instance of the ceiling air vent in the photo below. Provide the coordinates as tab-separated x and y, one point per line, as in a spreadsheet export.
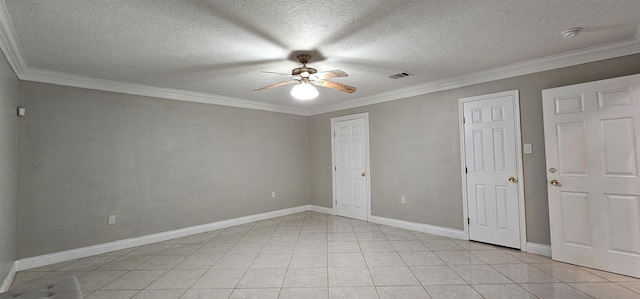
401	75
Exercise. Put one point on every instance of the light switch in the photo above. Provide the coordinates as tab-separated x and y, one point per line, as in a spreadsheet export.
527	148
112	219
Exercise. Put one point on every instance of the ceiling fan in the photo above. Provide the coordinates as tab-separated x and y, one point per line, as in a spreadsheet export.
305	77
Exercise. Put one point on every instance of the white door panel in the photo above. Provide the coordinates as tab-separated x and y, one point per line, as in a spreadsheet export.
350	167
490	153
591	143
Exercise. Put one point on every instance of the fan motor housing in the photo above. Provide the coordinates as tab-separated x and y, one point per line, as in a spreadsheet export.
300	70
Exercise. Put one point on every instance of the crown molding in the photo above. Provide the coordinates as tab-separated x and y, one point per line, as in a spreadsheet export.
12	51
67	79
9	42
593	54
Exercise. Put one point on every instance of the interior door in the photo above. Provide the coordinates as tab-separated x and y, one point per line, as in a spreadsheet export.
490	151
591	139
350	142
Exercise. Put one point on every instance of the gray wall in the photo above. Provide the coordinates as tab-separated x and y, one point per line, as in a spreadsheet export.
161	165
9	96
157	164
415	148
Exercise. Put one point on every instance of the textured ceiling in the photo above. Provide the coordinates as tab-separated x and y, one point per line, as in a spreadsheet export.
220	47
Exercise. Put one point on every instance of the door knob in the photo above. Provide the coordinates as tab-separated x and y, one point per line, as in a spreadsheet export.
554	183
363	174
513	180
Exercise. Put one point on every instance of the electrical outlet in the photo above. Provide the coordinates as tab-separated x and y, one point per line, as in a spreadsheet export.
273	194
527	148
403	200
112	219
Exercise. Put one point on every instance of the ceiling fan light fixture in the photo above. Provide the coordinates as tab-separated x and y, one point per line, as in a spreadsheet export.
304	92
305	77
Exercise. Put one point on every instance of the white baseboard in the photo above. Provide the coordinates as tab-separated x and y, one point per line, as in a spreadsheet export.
320	209
540	249
9	279
420	227
67	255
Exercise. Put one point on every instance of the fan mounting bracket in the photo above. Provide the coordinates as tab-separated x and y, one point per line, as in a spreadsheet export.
304	58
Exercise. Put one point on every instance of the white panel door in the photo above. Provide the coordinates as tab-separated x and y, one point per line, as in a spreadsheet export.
490	150
350	168
591	138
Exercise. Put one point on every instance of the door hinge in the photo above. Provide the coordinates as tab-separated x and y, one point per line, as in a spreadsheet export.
464	120
468	221
334	134
336	201
466	170
335	168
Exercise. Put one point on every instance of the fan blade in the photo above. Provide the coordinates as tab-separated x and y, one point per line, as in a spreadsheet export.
289	75
267	72
334	85
277	84
330	74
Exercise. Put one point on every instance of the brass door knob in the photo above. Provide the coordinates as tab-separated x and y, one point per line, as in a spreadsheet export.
554	183
513	180
363	174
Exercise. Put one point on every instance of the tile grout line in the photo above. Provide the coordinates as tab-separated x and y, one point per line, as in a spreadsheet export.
309	229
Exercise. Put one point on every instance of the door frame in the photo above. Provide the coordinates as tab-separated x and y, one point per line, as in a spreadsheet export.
334	120
519	172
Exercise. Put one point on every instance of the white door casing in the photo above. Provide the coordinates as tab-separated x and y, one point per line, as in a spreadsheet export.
591	139
350	156
492	169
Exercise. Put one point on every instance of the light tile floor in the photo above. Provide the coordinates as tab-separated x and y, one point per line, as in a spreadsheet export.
313	255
